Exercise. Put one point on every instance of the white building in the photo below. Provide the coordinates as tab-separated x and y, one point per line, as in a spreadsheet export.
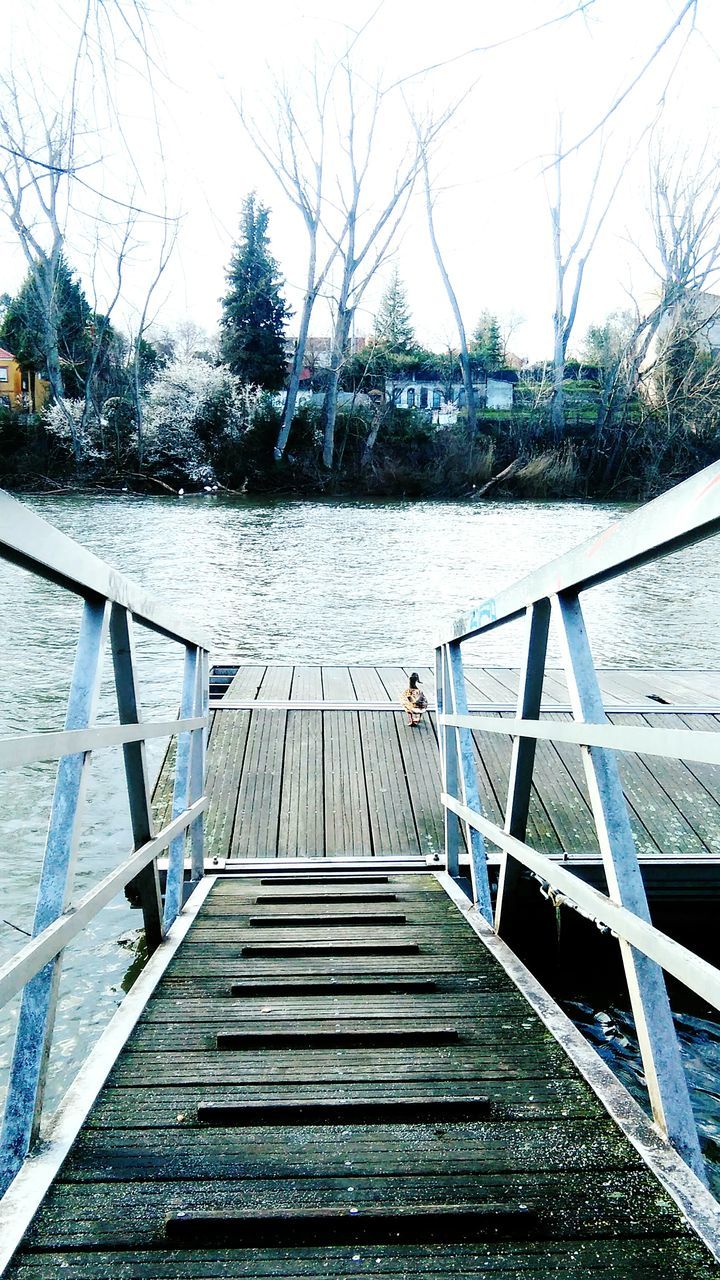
444	401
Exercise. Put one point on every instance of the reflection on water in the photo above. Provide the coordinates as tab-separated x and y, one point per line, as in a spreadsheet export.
295	581
611	1031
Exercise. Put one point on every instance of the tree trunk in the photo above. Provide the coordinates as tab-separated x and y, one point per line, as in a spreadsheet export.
468	384
294	381
137	399
329	412
372	437
311	292
452	298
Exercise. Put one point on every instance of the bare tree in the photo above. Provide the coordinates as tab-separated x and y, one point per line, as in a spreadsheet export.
34	199
167	244
296	155
463	356
570	267
364	233
685	260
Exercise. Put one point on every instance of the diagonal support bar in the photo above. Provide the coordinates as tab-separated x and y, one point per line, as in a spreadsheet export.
26	1086
659	1047
468	782
197	768
523	756
181	791
448	762
146	884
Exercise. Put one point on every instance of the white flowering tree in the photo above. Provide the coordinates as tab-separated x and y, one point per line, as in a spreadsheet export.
193	409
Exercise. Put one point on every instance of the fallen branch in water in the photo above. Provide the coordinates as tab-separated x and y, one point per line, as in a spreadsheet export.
505	474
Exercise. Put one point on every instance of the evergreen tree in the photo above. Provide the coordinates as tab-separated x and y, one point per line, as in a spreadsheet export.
253	319
486	346
24	331
393	322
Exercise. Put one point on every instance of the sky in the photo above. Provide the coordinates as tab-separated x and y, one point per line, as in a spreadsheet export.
163	131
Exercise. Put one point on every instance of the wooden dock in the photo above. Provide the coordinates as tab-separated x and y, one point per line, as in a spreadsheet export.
320	762
337	1077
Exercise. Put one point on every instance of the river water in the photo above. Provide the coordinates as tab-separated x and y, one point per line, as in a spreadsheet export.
299	581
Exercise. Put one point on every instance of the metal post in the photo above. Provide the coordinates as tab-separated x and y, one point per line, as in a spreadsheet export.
31	1052
523	756
468	782
659	1048
181	790
146	885
197	769
448	763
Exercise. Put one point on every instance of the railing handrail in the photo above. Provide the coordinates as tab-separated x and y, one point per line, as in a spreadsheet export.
684	515
32	543
112	604
680	518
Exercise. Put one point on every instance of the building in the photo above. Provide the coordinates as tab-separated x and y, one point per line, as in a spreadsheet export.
444	400
21	390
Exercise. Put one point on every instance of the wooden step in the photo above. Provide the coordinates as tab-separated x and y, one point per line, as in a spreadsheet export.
330	949
308	899
414	1037
319	878
300	987
356	920
344	1111
372	1224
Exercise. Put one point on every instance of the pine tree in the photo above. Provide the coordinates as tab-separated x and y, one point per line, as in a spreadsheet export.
253	319
487	344
24	328
393	322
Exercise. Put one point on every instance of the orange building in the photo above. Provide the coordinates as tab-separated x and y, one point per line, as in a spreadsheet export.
20	389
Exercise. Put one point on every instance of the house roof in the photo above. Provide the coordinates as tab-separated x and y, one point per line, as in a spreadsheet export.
6	355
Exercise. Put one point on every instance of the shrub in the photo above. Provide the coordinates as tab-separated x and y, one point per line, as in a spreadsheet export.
550	475
196	412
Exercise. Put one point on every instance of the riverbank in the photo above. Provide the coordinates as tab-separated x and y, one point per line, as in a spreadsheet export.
511	456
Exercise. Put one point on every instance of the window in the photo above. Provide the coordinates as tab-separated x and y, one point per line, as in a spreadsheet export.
411	398
437	399
396	393
423	397
3	373
5	402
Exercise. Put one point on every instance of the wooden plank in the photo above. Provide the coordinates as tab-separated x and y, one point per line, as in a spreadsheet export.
563	801
107	1214
514	1099
224	771
276	684
569	1259
570	756
482	686
306	684
392	823
347	820
301	830
707	774
257	814
494	755
390	809
246	684
690	818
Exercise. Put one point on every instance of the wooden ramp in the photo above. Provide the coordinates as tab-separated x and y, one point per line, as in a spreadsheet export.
335	1077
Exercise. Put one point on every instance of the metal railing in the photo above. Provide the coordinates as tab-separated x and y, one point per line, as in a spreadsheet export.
111	605
681	517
